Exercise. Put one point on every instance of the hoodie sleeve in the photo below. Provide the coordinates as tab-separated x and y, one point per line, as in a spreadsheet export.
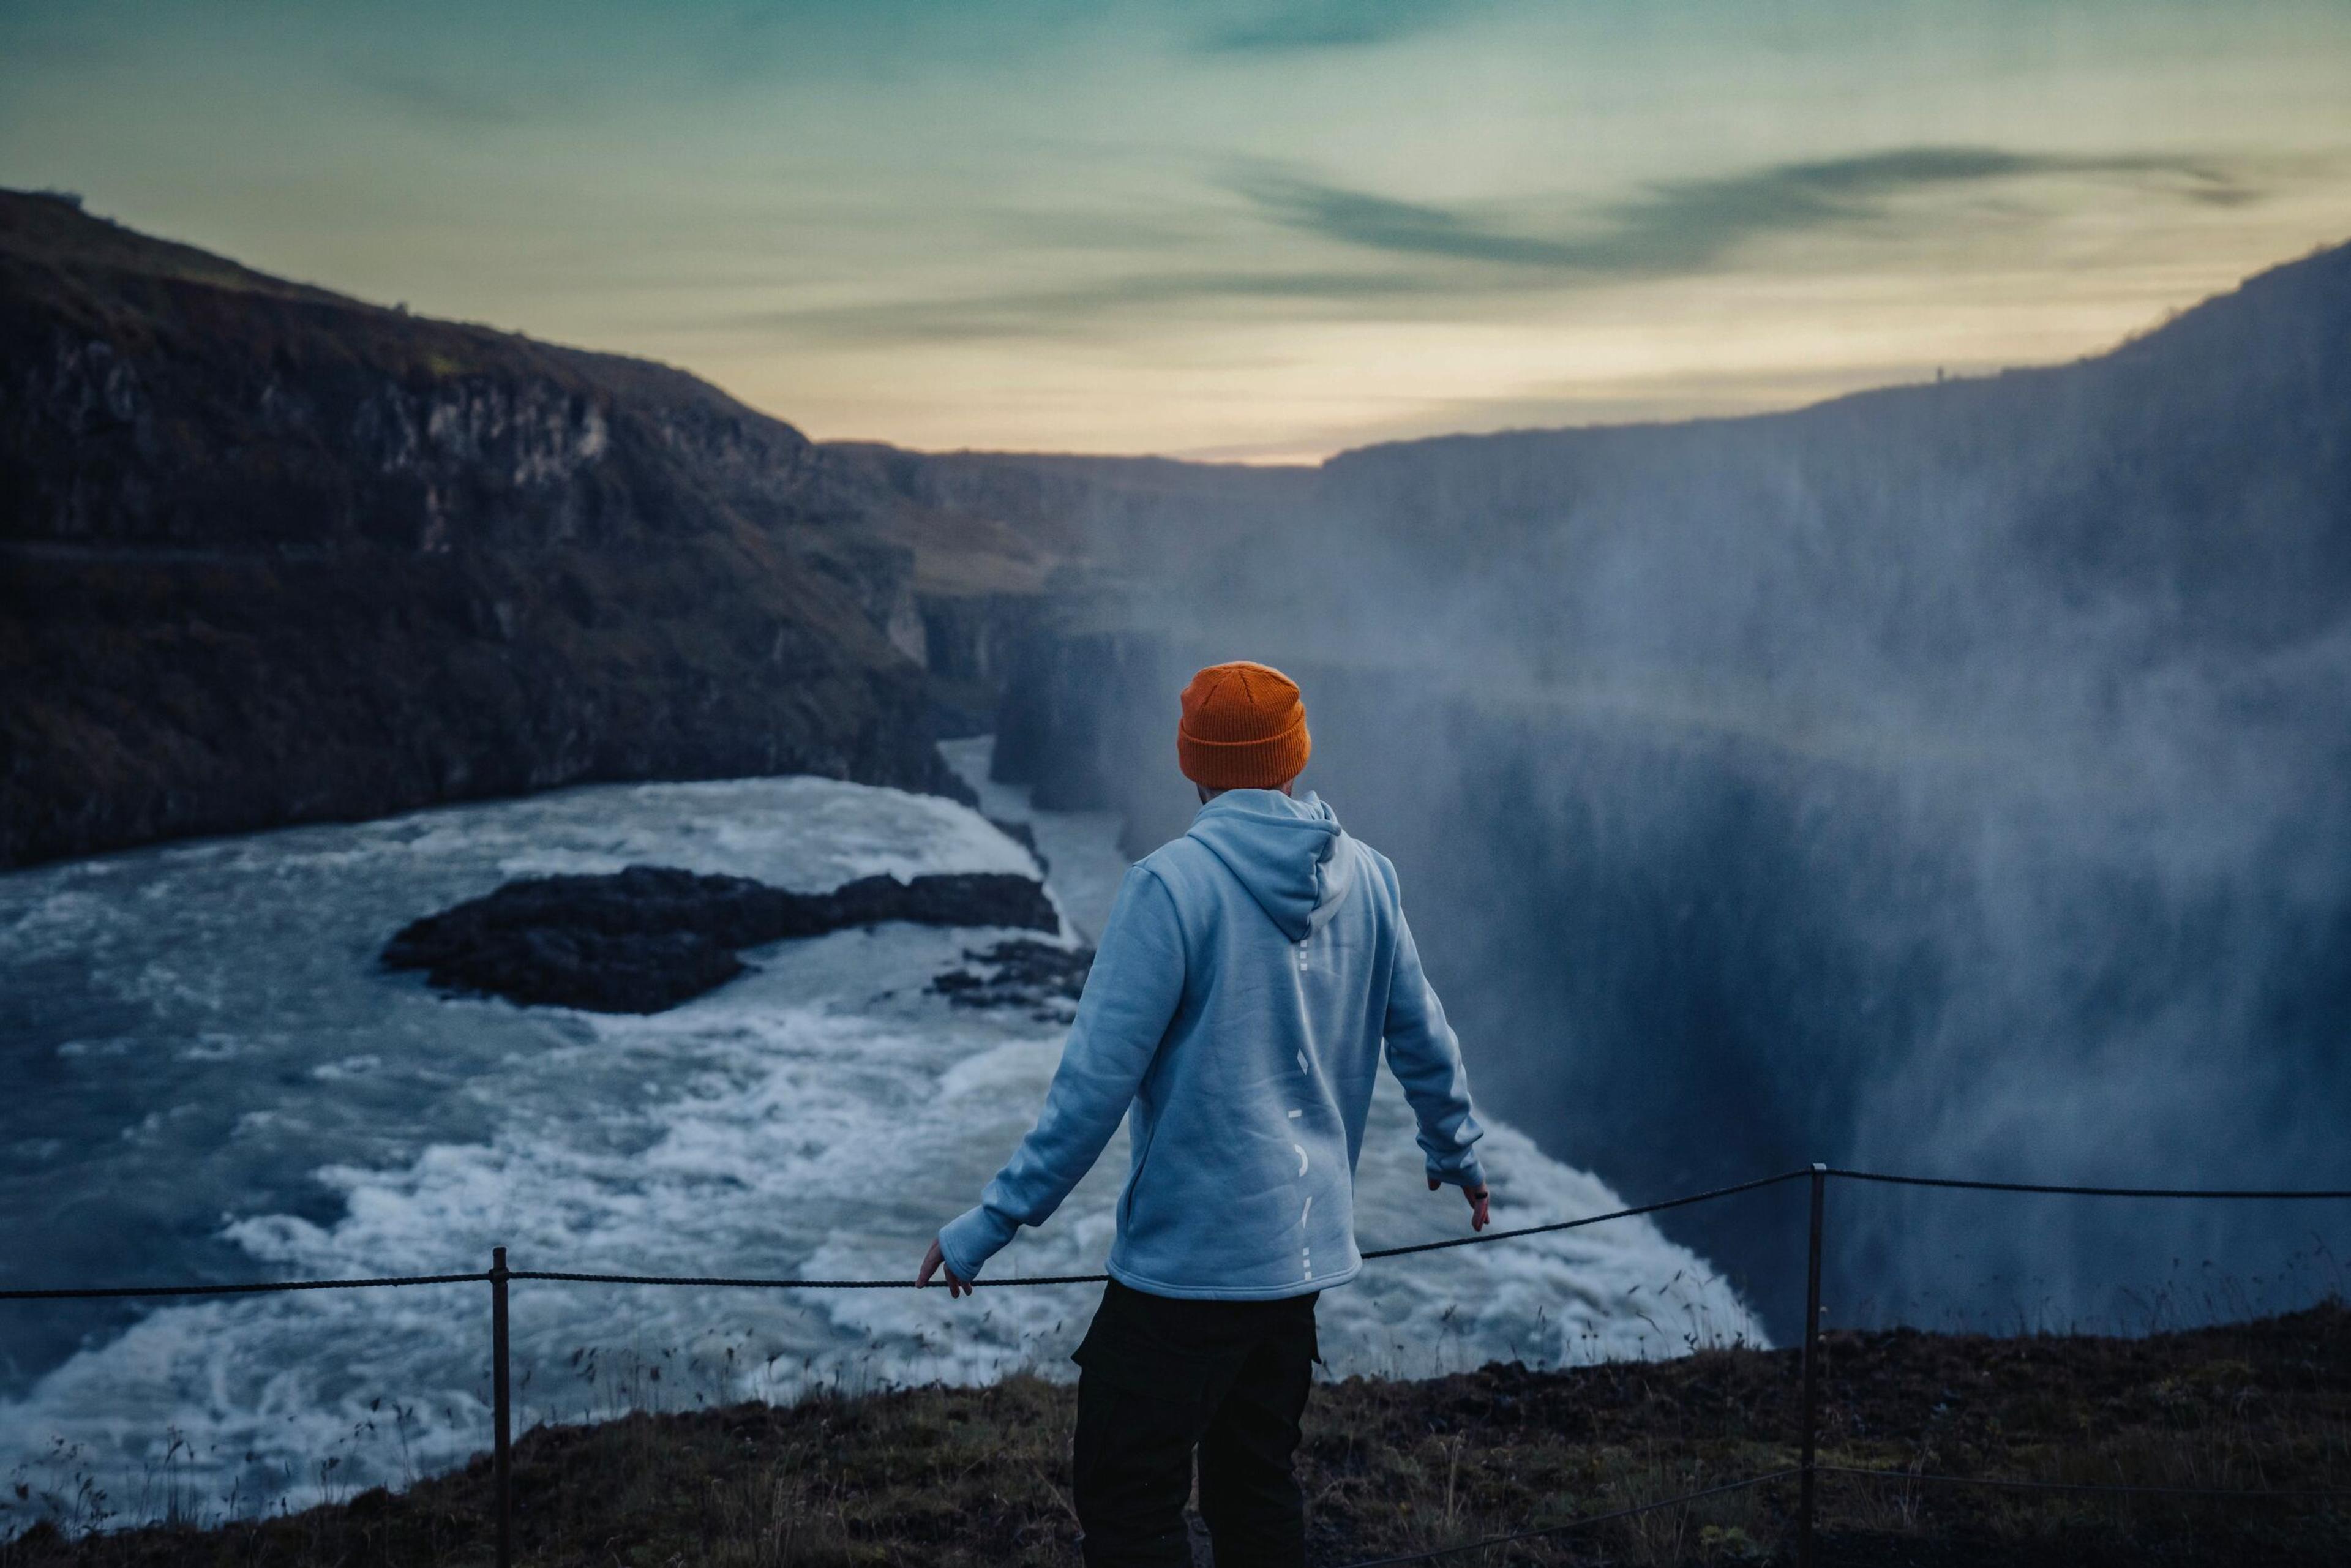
1129	999
1426	1060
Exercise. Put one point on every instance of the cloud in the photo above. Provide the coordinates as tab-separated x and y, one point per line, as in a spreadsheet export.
1687	226
1427	260
1301	24
1084	309
1379	223
431	100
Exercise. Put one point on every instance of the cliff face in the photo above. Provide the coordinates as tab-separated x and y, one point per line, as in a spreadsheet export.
2195	479
1952	776
269	555
1003	541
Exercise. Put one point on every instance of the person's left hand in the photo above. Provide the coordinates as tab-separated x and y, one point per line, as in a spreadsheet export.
935	1263
1479	1196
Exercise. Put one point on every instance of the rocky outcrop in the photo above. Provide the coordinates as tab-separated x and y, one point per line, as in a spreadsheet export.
1084	708
969	641
268	555
1045	979
644	939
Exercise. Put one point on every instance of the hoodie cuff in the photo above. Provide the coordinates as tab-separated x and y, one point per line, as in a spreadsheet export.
968	1241
1464	1175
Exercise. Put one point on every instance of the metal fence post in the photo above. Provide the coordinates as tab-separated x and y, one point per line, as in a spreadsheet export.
502	1443
1811	1371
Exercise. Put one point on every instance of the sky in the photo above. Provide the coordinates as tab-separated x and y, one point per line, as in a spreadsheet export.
1261	232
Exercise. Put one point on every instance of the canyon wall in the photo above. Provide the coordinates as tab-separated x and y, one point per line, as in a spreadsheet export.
1953	779
268	555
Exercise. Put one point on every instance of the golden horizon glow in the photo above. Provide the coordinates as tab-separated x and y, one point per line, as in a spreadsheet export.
1239	231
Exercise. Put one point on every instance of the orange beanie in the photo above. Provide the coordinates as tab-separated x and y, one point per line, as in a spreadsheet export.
1243	728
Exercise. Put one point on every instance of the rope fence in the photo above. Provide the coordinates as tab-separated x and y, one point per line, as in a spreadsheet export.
1806	1472
2264	1195
258	1288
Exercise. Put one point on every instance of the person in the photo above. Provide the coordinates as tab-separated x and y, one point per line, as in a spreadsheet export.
1245	982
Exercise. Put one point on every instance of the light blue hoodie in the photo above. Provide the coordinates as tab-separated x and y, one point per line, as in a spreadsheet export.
1248	975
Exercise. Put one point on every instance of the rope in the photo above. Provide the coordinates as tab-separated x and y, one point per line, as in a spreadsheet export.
2109	1487
1587	1219
1435	1552
719	1282
2083	1191
724	1283
266	1287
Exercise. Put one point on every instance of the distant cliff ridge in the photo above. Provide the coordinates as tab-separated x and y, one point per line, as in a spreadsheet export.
270	555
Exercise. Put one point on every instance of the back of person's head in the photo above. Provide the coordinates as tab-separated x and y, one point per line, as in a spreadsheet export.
1243	726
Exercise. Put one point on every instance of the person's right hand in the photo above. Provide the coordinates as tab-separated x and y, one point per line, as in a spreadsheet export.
1479	1198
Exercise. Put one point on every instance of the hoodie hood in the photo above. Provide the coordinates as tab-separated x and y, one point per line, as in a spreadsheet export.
1284	851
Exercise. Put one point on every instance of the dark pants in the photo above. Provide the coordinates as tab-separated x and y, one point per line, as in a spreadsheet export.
1162	1377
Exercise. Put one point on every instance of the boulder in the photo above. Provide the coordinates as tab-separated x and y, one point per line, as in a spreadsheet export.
647	938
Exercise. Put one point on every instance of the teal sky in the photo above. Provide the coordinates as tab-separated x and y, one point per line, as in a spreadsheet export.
1248	230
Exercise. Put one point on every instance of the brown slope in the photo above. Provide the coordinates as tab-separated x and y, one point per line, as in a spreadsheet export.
269	555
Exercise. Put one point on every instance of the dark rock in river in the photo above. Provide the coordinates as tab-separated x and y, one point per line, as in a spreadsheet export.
649	937
1020	974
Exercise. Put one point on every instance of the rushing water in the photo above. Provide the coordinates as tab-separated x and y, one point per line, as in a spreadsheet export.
209	1077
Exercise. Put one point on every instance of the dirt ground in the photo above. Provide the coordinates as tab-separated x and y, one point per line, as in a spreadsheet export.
973	1475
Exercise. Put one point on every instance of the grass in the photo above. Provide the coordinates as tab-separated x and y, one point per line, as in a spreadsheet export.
971	1476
